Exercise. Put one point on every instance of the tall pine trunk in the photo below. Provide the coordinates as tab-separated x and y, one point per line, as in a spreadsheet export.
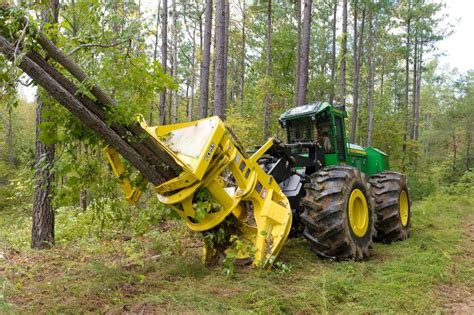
266	118
174	115
219	70
206	61
155	50
242	57
407	87
415	87
418	91
342	79
358	43
333	53
193	78
298	48
226	49
370	82
42	232
164	57
304	61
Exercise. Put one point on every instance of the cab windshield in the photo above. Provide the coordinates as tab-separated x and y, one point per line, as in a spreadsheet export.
301	130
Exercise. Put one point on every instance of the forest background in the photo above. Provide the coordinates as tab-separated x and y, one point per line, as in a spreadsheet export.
246	61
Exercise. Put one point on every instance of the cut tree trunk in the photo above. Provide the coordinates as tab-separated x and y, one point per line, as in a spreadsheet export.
103	100
142	143
89	115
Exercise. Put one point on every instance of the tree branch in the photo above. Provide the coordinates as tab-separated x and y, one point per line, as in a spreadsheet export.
76	49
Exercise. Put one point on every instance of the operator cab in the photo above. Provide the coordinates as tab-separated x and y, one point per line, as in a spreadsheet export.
315	134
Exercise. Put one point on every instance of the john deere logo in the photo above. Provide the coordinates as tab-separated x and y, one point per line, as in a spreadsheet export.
208	154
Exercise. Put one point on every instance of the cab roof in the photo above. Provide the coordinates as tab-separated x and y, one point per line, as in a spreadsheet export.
309	110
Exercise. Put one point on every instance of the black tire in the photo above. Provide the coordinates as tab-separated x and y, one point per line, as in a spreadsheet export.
326	217
386	189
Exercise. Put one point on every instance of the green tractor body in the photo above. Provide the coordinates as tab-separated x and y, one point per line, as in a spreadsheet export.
343	196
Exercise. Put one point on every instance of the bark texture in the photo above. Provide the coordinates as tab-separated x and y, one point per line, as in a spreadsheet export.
174	112
342	82
407	85
206	60
164	57
370	82
266	118
242	57
358	43
298	48
42	231
304	61
219	70
333	53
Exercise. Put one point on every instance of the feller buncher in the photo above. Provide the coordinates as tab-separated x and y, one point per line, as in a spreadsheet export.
339	196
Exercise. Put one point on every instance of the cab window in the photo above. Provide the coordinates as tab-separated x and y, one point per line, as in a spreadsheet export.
300	130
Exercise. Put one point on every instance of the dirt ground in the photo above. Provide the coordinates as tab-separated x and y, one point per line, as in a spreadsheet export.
460	299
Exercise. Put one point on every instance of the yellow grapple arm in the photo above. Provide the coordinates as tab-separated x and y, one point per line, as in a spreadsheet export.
211	160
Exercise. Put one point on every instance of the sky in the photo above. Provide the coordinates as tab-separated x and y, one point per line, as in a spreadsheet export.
456	51
459	47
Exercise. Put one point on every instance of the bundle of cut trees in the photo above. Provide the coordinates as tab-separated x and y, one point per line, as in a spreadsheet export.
131	141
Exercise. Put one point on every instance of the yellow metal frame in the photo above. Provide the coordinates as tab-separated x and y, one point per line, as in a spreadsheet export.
270	212
132	194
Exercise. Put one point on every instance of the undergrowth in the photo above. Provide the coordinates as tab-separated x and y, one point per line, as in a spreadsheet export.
152	264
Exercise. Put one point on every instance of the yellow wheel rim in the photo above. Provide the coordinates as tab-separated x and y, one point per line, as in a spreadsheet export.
404	208
358	213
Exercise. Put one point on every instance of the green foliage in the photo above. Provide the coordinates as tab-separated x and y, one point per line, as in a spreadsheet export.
464	185
204	203
423	182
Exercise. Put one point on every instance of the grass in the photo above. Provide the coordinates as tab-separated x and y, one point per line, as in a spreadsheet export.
160	271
